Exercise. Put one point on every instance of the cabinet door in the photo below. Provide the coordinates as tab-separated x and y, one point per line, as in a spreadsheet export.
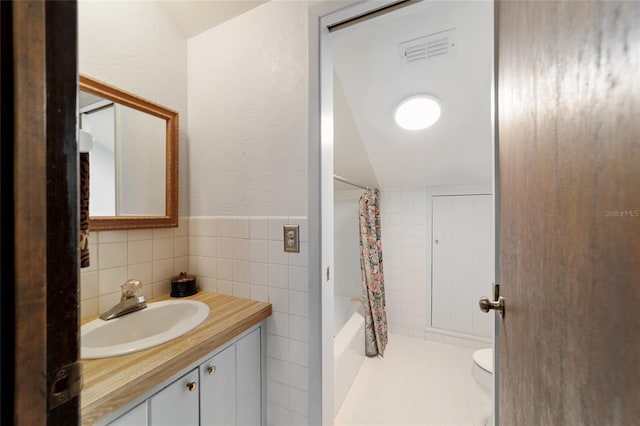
137	416
218	389
177	404
249	379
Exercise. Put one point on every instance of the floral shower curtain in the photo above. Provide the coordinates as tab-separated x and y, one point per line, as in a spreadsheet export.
372	274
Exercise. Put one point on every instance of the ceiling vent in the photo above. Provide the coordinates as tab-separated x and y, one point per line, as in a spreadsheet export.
423	49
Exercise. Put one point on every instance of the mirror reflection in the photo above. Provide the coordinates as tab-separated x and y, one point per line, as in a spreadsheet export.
127	160
133	150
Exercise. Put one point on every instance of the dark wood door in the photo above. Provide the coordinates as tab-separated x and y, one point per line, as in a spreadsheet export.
40	215
569	187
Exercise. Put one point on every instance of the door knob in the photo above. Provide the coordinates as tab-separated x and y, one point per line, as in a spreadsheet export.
192	386
486	305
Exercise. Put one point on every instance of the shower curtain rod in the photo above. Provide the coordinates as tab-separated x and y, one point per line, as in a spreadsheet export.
348	182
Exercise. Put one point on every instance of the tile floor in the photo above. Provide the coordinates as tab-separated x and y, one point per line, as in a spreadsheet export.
416	383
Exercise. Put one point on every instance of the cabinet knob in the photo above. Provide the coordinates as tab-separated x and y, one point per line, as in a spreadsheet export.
192	386
211	369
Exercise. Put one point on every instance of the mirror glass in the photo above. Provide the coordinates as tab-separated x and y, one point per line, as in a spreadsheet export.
133	158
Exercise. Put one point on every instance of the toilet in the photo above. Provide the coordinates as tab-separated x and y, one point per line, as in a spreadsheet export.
483	369
482	372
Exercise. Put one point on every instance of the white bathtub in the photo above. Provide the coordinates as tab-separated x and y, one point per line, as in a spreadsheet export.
348	346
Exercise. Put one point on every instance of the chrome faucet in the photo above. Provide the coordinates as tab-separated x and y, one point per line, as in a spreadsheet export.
129	301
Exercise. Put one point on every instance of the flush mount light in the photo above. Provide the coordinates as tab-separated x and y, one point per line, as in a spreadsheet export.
417	112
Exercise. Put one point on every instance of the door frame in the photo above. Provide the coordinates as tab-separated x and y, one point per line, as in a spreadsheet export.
40	214
495	190
320	207
320	189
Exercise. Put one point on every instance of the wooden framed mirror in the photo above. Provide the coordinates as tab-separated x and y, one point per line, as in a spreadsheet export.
133	159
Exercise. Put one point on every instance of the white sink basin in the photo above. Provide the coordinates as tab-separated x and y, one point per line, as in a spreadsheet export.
158	323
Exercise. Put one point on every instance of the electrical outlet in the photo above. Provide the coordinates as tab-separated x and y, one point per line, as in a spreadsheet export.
292	238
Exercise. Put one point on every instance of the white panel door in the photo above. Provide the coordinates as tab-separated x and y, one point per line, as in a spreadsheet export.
441	263
462	262
483	264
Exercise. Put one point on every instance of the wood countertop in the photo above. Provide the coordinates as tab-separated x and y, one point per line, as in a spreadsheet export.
112	383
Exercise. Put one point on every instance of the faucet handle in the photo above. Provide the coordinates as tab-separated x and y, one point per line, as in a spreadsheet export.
130	289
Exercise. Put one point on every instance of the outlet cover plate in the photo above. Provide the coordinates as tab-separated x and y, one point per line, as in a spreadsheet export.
292	238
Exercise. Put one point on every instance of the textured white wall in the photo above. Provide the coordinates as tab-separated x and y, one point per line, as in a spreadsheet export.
243	257
248	83
134	46
248	109
137	48
138	162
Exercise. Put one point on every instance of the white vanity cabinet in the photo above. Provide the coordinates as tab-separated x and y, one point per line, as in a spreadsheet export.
135	417
177	404
230	384
248	379
218	388
226	388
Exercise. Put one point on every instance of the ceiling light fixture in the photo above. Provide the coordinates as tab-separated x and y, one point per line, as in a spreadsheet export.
417	112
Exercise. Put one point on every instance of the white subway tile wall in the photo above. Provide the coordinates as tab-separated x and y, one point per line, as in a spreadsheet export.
407	265
250	262
404	250
151	255
239	256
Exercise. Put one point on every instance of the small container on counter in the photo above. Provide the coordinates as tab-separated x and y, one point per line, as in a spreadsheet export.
183	285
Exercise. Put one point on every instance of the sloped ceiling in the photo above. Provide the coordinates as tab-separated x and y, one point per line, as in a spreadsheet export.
454	151
350	160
